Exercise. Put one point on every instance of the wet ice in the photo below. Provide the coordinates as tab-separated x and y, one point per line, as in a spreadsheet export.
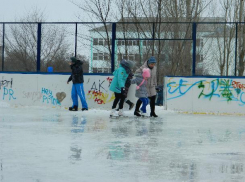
40	144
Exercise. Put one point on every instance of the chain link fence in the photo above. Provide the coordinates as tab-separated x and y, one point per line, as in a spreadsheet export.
181	49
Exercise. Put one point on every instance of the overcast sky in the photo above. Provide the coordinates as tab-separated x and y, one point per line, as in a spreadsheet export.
54	10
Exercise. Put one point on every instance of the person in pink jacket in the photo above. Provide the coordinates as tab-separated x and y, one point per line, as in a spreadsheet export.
151	86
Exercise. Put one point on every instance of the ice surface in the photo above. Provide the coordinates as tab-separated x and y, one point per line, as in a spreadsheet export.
55	145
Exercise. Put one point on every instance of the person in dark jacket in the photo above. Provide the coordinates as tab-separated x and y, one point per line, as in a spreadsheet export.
125	93
77	87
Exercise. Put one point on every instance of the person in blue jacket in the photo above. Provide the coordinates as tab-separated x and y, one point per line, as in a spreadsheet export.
118	86
77	87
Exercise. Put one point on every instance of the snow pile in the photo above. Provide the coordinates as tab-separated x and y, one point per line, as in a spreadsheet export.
4	104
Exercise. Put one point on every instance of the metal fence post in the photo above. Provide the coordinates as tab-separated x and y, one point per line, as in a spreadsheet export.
76	41
153	39
113	46
236	49
39	36
3	45
194	38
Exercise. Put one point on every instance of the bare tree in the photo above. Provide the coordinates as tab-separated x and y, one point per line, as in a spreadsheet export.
223	38
99	11
173	58
21	45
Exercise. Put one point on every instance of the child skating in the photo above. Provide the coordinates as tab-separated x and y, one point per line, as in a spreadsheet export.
118	86
77	87
141	90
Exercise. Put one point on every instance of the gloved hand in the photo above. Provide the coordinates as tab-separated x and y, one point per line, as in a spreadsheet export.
157	89
122	90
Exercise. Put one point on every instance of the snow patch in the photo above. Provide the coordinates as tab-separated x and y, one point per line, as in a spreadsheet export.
4	104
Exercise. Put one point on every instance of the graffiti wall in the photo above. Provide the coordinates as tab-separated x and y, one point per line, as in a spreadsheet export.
205	95
53	90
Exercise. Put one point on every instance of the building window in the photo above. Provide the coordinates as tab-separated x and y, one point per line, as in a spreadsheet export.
99	70
130	42
131	57
100	56
135	42
106	42
199	58
106	56
199	42
95	56
101	41
95	41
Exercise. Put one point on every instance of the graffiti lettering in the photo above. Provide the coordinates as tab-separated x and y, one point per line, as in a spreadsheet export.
49	98
109	80
226	89
9	93
181	89
35	96
100	86
238	85
46	91
214	87
99	97
6	83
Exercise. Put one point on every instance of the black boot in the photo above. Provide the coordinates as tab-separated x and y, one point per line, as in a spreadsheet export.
137	113
74	108
137	107
152	105
84	109
131	104
153	115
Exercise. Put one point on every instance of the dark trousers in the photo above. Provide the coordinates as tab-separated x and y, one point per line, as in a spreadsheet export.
152	104
118	98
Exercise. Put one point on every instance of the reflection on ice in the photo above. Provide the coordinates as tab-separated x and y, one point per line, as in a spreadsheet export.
42	145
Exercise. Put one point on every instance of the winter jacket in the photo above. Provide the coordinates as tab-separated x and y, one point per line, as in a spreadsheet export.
128	83
77	73
119	79
142	91
152	81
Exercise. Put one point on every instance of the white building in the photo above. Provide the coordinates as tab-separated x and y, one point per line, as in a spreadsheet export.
140	50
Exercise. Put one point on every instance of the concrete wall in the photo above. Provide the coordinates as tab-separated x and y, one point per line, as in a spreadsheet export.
205	95
53	90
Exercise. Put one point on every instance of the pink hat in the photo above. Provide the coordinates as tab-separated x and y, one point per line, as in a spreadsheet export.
146	73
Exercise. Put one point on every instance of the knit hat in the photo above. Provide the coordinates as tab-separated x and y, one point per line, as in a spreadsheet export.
131	64
151	60
73	59
146	73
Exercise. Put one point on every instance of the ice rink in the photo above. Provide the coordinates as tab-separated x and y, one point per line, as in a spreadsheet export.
55	145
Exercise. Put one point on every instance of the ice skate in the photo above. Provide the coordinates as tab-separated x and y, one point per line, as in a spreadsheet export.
113	114
137	113
121	113
144	115
73	108
153	115
131	104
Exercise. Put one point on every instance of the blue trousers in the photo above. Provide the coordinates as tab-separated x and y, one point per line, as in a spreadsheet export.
77	90
145	102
